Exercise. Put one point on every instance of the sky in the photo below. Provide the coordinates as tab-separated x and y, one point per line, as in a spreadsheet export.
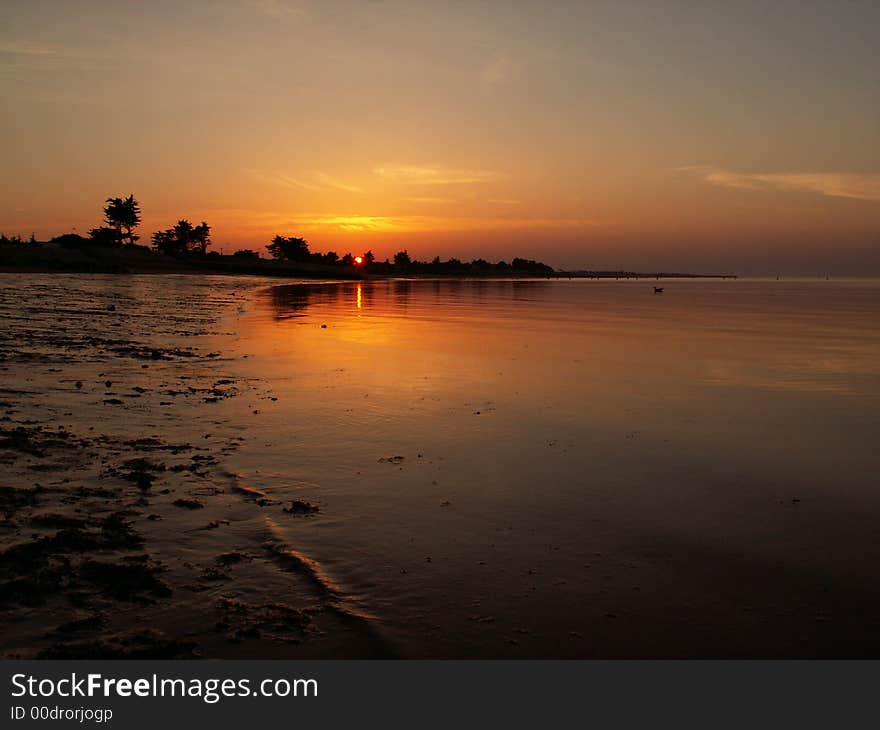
700	136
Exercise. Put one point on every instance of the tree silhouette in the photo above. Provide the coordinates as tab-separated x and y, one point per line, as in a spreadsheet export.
289	249
183	238
535	267
402	259
124	215
201	238
369	258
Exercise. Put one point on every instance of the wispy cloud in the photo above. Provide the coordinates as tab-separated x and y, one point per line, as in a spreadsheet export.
317	182
351	223
417	175
832	184
505	201
492	224
421	223
438	201
293	182
306	222
337	184
363	222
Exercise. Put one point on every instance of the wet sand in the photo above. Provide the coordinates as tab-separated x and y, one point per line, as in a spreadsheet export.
122	534
222	467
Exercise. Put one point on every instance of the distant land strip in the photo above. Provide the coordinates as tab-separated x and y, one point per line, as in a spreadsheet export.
49	257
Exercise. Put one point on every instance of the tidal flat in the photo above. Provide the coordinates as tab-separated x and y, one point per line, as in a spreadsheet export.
229	467
122	534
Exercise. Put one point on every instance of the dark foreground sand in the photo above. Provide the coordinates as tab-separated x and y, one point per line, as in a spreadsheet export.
111	460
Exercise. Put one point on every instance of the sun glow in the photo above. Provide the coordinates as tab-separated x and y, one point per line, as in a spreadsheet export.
359	260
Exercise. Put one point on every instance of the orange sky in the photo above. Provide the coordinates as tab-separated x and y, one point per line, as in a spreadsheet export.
727	136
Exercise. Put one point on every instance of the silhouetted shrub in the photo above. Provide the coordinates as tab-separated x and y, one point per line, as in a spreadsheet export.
533	267
71	240
289	249
104	236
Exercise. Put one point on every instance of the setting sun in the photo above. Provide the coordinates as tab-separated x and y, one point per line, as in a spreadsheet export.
359	260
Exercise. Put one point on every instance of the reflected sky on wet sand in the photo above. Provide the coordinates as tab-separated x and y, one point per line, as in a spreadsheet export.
588	468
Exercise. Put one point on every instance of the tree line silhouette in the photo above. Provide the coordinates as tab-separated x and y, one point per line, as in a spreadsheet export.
122	216
297	250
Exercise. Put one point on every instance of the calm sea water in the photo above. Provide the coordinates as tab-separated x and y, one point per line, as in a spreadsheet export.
585	467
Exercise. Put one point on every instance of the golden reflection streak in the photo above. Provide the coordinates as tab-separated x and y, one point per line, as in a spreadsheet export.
358	296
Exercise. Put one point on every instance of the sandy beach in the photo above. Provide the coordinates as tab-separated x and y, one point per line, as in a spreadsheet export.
118	518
